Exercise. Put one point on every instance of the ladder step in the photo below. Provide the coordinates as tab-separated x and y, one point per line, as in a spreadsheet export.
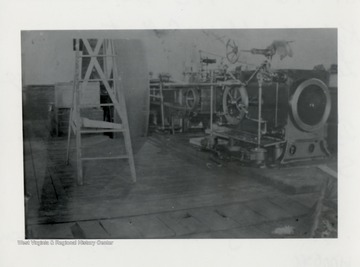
105	158
97	105
97	56
102	131
95	80
96	124
155	96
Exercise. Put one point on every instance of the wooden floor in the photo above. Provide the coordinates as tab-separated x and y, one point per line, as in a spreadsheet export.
180	193
176	195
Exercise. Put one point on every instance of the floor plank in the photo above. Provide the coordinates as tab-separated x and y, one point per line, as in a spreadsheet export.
240	232
267	209
242	214
214	219
151	227
121	228
183	223
93	230
51	231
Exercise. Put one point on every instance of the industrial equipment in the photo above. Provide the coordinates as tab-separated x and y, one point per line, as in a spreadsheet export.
282	119
275	116
262	116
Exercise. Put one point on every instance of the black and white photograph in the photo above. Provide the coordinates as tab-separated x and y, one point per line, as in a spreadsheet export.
179	133
204	133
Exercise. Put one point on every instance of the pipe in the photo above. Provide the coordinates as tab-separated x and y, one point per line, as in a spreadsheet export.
211	102
259	112
276	104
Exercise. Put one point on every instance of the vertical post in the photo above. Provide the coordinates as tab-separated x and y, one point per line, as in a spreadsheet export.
56	114
105	59
80	66
162	105
276	104
77	116
259	110
211	101
72	109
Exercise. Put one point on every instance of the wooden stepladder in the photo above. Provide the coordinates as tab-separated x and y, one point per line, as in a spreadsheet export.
102	68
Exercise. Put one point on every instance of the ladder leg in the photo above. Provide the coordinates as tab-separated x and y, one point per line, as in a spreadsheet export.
68	140
124	119
70	128
78	135
80	179
72	109
56	111
130	155
76	102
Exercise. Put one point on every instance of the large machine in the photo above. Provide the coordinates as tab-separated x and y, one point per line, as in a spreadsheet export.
259	116
277	117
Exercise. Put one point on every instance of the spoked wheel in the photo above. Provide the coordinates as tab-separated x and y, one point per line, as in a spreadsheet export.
192	98
235	103
232	51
